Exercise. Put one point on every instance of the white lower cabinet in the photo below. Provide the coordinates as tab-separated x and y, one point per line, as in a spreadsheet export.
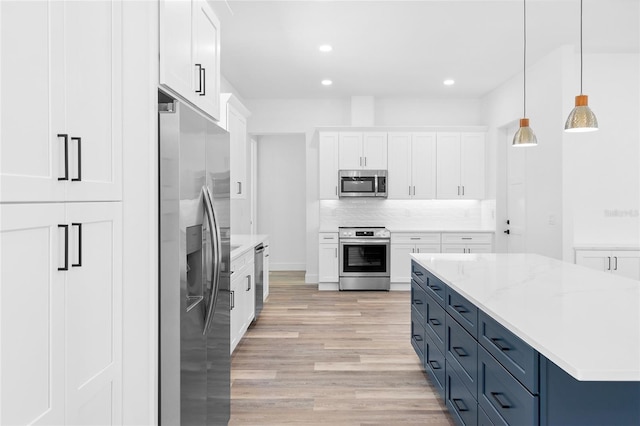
467	243
328	260
625	263
61	314
242	296
404	244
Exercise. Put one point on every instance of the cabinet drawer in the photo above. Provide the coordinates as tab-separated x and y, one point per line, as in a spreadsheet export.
419	274
479	238
415	238
435	288
241	261
463	311
435	322
417	335
328	237
501	396
419	299
483	419
434	365
520	359
462	355
461	404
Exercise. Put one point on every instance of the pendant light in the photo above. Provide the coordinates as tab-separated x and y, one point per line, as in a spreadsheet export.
525	136
581	118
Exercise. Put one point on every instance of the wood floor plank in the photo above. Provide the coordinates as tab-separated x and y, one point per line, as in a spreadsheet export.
331	358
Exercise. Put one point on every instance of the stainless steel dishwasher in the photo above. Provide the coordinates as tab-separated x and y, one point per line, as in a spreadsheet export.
259	279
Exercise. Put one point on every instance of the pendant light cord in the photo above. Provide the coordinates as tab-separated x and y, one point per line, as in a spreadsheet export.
581	47
524	85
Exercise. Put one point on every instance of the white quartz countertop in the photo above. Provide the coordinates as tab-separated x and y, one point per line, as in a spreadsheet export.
585	321
417	229
241	243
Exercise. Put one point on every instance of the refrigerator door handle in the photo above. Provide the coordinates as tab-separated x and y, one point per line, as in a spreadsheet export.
217	256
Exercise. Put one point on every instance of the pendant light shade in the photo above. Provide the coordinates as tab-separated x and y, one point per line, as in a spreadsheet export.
581	118
525	136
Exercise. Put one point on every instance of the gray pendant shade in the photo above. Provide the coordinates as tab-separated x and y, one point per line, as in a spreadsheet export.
525	136
581	118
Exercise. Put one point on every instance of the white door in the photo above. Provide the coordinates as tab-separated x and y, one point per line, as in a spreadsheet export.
176	65
448	165
423	166
328	166
516	200
374	151
472	165
399	184
350	151
32	314
93	314
626	264
206	53
401	262
328	263
31	73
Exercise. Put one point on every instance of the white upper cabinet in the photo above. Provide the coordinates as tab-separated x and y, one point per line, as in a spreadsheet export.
190	53
328	166
412	165
363	150
460	165
234	120
61	88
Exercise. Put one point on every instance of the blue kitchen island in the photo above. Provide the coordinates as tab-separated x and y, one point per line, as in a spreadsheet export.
522	339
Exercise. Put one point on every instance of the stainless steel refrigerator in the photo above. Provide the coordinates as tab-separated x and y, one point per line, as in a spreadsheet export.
194	267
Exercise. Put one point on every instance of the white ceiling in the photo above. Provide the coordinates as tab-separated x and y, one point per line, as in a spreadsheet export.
405	48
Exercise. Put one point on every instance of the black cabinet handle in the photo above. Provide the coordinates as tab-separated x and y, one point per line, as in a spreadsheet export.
418	273
460	351
504	404
204	82
66	156
417	337
460	405
435	287
434	321
66	248
199	78
435	365
461	309
417	302
79	178
79	225
496	341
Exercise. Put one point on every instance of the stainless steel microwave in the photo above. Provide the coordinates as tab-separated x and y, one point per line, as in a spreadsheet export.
362	183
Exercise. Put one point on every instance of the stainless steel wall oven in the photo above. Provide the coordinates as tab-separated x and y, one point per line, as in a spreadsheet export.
365	258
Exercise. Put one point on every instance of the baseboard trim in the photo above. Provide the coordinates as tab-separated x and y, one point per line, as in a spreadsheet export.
287	266
328	286
311	278
400	287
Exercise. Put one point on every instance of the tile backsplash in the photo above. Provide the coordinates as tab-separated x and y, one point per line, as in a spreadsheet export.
409	214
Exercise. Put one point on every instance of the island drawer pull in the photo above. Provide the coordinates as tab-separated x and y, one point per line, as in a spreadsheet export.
417	337
434	321
460	351
417	302
460	405
418	273
461	309
435	365
504	404
496	341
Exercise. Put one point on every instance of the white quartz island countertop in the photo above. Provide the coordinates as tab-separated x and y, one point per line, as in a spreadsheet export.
585	321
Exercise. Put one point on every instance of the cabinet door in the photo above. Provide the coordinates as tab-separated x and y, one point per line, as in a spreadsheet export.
448	165
250	294
350	149
594	259
399	166
374	151
454	248
626	263
93	314
401	262
206	53
238	137
423	165
480	248
176	66
32	101
32	314
328	263
328	166
237	317
93	69
427	248
472	163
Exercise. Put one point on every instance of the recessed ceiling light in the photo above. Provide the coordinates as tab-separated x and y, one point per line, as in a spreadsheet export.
327	82
449	82
325	48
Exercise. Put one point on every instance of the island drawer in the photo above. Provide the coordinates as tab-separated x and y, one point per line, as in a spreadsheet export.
435	288
520	359
501	396
461	404
462	355
419	299
463	311
419	274
417	335
435	366
483	419
435	321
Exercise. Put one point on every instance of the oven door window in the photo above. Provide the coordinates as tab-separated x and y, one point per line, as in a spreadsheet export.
351	185
364	258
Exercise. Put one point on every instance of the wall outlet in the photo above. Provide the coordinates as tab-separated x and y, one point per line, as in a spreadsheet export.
552	219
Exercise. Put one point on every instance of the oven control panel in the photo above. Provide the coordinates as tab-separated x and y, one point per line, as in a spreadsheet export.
364	233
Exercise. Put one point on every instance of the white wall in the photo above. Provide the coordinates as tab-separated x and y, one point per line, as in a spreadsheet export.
427	112
601	176
282	199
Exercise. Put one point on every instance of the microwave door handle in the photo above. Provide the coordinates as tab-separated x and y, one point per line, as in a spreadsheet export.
375	180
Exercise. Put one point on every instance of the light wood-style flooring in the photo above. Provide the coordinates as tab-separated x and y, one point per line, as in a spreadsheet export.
331	358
